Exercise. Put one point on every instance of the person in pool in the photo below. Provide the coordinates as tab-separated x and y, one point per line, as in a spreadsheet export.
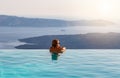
56	49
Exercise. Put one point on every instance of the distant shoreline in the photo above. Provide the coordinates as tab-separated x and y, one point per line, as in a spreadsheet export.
15	21
78	41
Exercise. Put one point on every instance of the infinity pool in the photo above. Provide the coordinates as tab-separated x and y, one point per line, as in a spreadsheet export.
71	64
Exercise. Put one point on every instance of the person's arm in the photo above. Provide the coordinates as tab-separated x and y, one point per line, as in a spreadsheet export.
57	50
62	49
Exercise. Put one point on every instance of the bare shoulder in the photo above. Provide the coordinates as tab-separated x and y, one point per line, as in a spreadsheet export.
58	50
51	49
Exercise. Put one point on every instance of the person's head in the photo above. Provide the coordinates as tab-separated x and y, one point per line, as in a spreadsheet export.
55	43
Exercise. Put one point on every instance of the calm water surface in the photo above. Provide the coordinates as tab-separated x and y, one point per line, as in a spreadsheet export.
9	35
71	64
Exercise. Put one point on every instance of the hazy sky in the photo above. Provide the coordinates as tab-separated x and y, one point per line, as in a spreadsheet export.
87	9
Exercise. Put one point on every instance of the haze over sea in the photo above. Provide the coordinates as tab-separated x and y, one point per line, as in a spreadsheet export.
9	35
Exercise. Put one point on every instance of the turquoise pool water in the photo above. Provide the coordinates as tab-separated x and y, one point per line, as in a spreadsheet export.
71	64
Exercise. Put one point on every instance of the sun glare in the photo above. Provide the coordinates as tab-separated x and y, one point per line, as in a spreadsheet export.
105	8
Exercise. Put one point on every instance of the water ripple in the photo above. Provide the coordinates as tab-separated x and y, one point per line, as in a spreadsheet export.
71	64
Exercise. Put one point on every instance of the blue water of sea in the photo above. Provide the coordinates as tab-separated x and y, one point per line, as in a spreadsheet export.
71	64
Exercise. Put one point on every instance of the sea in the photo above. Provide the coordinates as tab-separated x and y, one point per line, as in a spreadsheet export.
73	63
9	36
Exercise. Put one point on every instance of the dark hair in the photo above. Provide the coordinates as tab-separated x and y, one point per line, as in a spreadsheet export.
55	42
